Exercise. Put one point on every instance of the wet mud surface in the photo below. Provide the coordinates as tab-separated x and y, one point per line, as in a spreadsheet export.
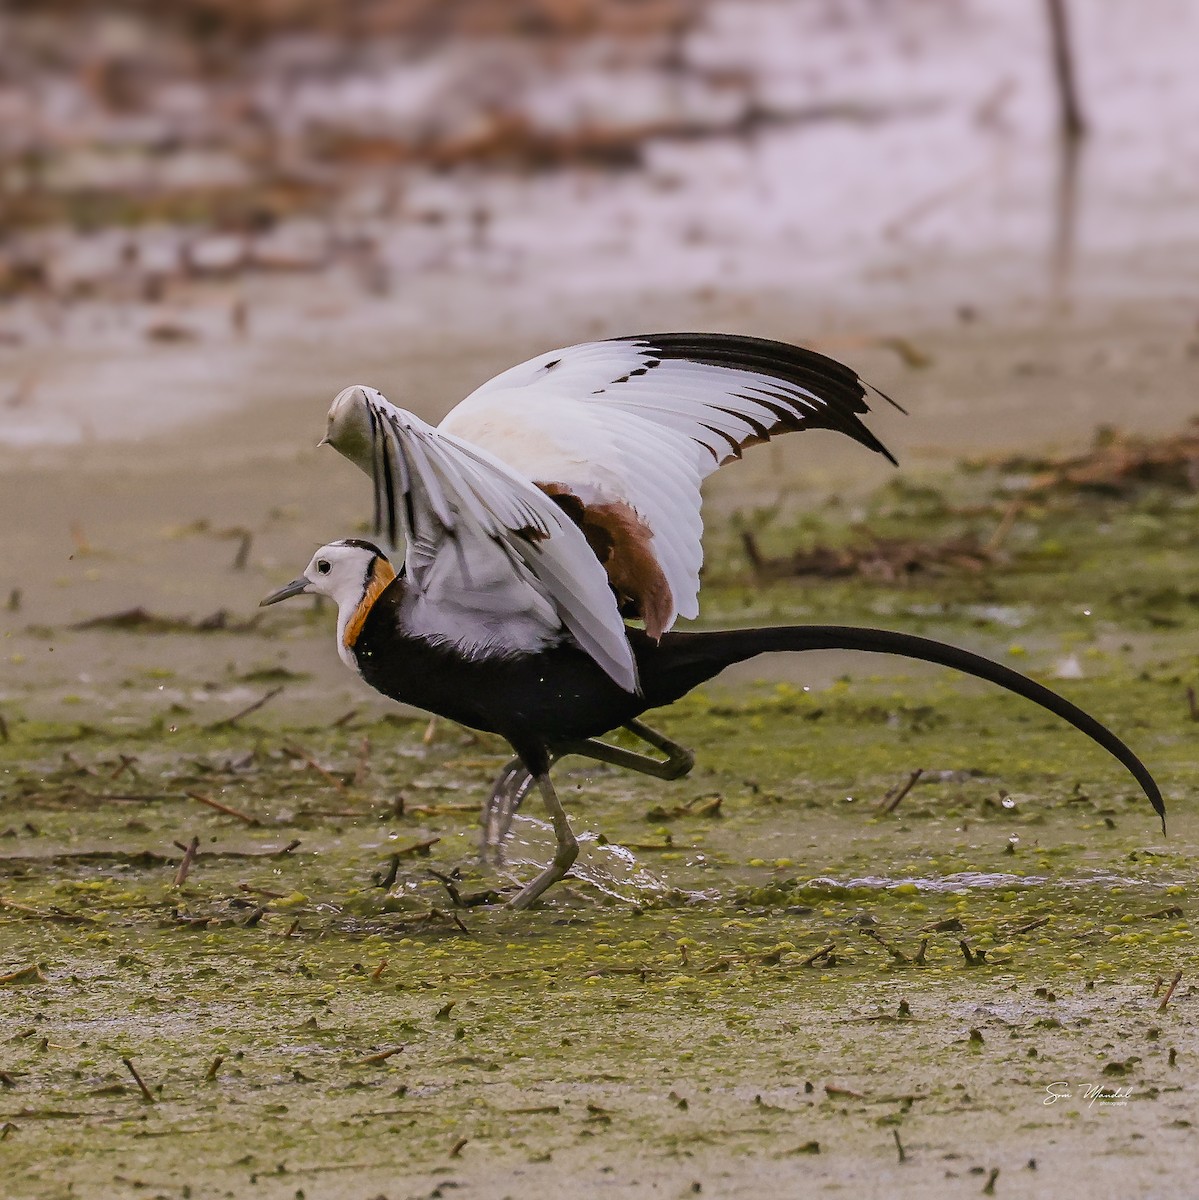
759	978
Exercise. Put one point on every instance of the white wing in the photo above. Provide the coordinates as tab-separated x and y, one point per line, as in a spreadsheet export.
493	561
643	420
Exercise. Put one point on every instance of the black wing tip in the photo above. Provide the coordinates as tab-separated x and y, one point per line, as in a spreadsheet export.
893	403
838	385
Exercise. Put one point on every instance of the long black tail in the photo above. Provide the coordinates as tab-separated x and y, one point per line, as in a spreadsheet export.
682	661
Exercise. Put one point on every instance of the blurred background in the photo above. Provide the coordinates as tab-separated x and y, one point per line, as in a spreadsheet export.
214	214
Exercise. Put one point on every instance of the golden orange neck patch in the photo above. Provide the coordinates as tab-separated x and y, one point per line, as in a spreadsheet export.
381	575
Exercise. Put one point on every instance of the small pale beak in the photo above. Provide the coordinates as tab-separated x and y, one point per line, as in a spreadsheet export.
296	588
323	442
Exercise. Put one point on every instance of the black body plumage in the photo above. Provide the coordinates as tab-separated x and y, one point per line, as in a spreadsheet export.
538	701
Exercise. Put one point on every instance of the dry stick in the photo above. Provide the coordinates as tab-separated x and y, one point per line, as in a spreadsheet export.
189	856
903	791
823	952
996	540
1192	706
1033	925
226	722
310	762
362	770
127	761
989	1186
3	729
899	1145
213	1068
344	719
456	1150
243	551
382	1056
893	951
147	1095
1161	1008
25	975
1073	126
223	808
377	973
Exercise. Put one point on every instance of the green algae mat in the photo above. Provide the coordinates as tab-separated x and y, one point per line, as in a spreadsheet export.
898	934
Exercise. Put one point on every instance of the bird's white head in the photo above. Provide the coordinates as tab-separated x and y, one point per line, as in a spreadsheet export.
349	428
353	574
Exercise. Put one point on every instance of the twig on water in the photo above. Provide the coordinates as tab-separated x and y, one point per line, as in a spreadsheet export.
974	958
823	952
456	1149
147	1095
223	808
228	722
385	880
417	849
243	550
3	729
1161	1008
1192	705
891	802
189	856
371	1059
30	974
213	1068
893	951
989	1186
996	540
899	1145
310	762
128	763
1032	925
363	769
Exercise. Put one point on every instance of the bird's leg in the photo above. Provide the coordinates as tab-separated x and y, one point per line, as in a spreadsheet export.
505	797
678	762
565	854
515	780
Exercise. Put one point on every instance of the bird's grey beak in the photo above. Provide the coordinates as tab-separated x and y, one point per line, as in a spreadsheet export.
295	588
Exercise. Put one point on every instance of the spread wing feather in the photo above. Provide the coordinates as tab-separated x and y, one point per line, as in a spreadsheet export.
490	557
643	420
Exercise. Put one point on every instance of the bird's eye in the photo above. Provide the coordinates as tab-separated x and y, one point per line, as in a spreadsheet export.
323	566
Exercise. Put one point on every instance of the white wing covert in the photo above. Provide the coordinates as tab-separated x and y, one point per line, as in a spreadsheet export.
488	555
639	422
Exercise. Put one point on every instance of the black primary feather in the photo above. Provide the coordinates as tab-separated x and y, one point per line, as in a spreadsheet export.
839	390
